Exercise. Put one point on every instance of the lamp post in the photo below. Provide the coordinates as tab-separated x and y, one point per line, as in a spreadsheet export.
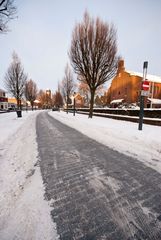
141	114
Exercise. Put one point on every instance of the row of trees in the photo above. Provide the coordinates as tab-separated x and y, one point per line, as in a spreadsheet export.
17	84
93	56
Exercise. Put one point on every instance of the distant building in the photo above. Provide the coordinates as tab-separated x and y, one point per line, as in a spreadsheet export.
79	100
12	103
3	100
48	93
48	99
126	87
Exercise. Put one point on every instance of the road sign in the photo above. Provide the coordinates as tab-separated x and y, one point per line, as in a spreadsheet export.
144	93
141	113
145	85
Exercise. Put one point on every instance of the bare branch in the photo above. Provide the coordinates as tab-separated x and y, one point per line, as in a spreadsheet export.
57	99
15	79
31	91
67	84
7	13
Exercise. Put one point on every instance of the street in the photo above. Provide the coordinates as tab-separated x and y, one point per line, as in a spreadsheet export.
96	193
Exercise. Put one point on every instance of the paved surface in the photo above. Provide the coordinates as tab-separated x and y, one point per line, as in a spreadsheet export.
97	193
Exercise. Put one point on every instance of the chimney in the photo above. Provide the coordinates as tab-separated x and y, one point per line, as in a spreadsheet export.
121	67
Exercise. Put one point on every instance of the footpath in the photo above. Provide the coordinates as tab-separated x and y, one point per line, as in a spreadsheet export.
95	192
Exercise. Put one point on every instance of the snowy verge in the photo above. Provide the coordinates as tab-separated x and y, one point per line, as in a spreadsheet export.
9	123
119	135
24	214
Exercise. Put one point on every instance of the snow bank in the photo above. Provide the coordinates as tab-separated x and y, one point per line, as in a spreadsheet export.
122	136
9	123
24	214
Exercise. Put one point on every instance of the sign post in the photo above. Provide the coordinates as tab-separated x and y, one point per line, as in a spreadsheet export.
144	92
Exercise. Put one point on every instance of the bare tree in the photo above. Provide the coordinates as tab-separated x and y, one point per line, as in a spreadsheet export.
15	79
58	99
7	12
84	90
67	86
93	53
31	92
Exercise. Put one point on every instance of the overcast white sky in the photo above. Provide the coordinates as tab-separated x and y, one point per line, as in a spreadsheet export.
41	35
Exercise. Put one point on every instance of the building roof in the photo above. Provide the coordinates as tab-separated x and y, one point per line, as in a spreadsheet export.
1	90
116	101
155	100
36	101
149	77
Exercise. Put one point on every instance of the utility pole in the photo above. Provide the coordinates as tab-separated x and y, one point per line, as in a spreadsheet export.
142	94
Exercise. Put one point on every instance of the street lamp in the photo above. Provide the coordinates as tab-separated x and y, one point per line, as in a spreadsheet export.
141	114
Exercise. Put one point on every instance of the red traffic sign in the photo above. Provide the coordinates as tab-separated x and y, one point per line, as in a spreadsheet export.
145	85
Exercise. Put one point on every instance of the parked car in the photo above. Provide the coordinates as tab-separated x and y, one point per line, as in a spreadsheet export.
55	109
11	109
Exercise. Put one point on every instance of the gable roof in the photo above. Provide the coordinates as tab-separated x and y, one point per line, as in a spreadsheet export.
149	77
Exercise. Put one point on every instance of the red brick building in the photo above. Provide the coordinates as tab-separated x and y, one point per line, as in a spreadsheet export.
126	87
3	100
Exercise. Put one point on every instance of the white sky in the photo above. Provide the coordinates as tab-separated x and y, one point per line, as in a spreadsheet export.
41	35
24	213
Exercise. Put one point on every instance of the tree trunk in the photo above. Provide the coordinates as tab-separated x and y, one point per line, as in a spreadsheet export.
18	103
32	105
67	104
91	103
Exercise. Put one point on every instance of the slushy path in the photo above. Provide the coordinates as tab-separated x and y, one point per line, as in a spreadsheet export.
96	193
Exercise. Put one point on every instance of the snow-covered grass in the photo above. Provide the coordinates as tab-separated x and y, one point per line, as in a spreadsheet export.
9	123
119	135
24	214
